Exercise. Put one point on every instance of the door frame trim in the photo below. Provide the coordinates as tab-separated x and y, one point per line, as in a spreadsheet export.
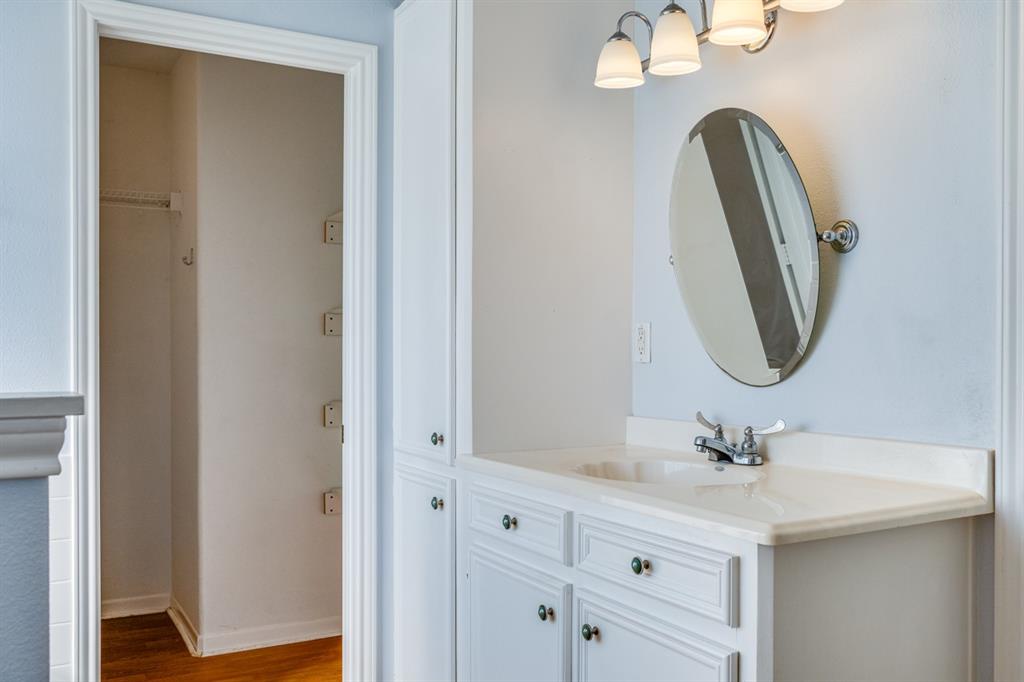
357	62
1009	518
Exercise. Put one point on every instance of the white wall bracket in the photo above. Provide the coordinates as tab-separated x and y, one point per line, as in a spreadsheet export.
333	229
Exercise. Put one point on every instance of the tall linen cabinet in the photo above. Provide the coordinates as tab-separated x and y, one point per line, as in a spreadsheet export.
424	316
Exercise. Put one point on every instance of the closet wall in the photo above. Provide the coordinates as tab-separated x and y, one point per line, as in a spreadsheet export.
184	414
269	164
135	342
215	456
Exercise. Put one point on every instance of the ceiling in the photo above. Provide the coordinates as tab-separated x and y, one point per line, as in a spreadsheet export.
137	55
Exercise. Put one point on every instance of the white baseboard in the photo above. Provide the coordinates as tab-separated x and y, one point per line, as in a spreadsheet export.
269	635
135	606
185	627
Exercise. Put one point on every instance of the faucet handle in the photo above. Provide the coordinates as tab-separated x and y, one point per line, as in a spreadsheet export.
717	428
779	425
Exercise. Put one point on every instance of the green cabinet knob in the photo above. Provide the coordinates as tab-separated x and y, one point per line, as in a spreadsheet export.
437	438
639	566
589	631
509	522
437	503
544	612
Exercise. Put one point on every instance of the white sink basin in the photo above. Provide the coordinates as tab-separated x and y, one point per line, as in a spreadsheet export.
669	472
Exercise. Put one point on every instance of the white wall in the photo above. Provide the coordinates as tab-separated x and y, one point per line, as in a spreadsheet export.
893	119
135	367
269	167
184	409
552	228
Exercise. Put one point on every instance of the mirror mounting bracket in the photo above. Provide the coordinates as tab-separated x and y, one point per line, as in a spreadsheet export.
843	236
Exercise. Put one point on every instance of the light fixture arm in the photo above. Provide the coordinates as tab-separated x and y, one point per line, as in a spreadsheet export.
705	27
771	22
620	34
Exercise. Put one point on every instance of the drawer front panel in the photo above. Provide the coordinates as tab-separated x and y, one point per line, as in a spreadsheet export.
535	526
622	645
686	575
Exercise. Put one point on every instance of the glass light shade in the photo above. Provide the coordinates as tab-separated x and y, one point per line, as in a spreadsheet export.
809	5
737	22
619	66
674	48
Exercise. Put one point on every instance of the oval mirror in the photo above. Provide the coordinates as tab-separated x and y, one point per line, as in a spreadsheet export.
744	247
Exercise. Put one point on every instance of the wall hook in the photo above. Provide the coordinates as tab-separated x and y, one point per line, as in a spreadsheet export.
190	258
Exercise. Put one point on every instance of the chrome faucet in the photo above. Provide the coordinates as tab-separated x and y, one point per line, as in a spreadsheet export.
721	450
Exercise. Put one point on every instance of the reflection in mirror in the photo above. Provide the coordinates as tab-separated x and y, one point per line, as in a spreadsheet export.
744	247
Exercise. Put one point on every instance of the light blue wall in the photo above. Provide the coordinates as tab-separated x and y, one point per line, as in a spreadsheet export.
35	215
24	618
893	121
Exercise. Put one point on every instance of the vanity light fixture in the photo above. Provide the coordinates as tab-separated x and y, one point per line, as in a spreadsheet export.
675	43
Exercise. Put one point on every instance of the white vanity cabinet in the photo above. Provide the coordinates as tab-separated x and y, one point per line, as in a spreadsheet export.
424	227
524	551
424	575
659	596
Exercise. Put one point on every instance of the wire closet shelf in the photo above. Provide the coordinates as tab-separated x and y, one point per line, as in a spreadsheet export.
159	201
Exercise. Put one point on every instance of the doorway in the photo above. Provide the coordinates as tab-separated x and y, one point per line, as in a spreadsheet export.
220	352
356	63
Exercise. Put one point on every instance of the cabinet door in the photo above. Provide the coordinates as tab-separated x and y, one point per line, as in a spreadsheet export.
424	575
519	621
424	227
615	643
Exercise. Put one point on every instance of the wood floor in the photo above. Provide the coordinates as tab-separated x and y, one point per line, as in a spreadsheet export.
144	648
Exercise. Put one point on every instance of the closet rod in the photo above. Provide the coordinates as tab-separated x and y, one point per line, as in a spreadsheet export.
160	201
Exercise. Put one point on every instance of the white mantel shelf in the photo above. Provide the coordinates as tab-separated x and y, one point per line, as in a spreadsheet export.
32	429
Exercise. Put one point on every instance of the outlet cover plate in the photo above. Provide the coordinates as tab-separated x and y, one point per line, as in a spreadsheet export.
642	342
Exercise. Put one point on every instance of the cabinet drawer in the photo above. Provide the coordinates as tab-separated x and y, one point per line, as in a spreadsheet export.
682	574
535	526
616	643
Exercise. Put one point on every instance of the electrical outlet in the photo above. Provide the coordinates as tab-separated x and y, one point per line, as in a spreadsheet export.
332	502
642	342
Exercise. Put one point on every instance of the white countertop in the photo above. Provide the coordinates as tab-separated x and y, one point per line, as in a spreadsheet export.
800	496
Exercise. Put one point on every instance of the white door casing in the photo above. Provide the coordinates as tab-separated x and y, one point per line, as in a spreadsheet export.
357	62
1009	518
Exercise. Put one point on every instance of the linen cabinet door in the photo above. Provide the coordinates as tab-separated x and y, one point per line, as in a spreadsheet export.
424	576
519	621
424	227
615	643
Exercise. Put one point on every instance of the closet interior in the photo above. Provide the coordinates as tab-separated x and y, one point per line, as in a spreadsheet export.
220	346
